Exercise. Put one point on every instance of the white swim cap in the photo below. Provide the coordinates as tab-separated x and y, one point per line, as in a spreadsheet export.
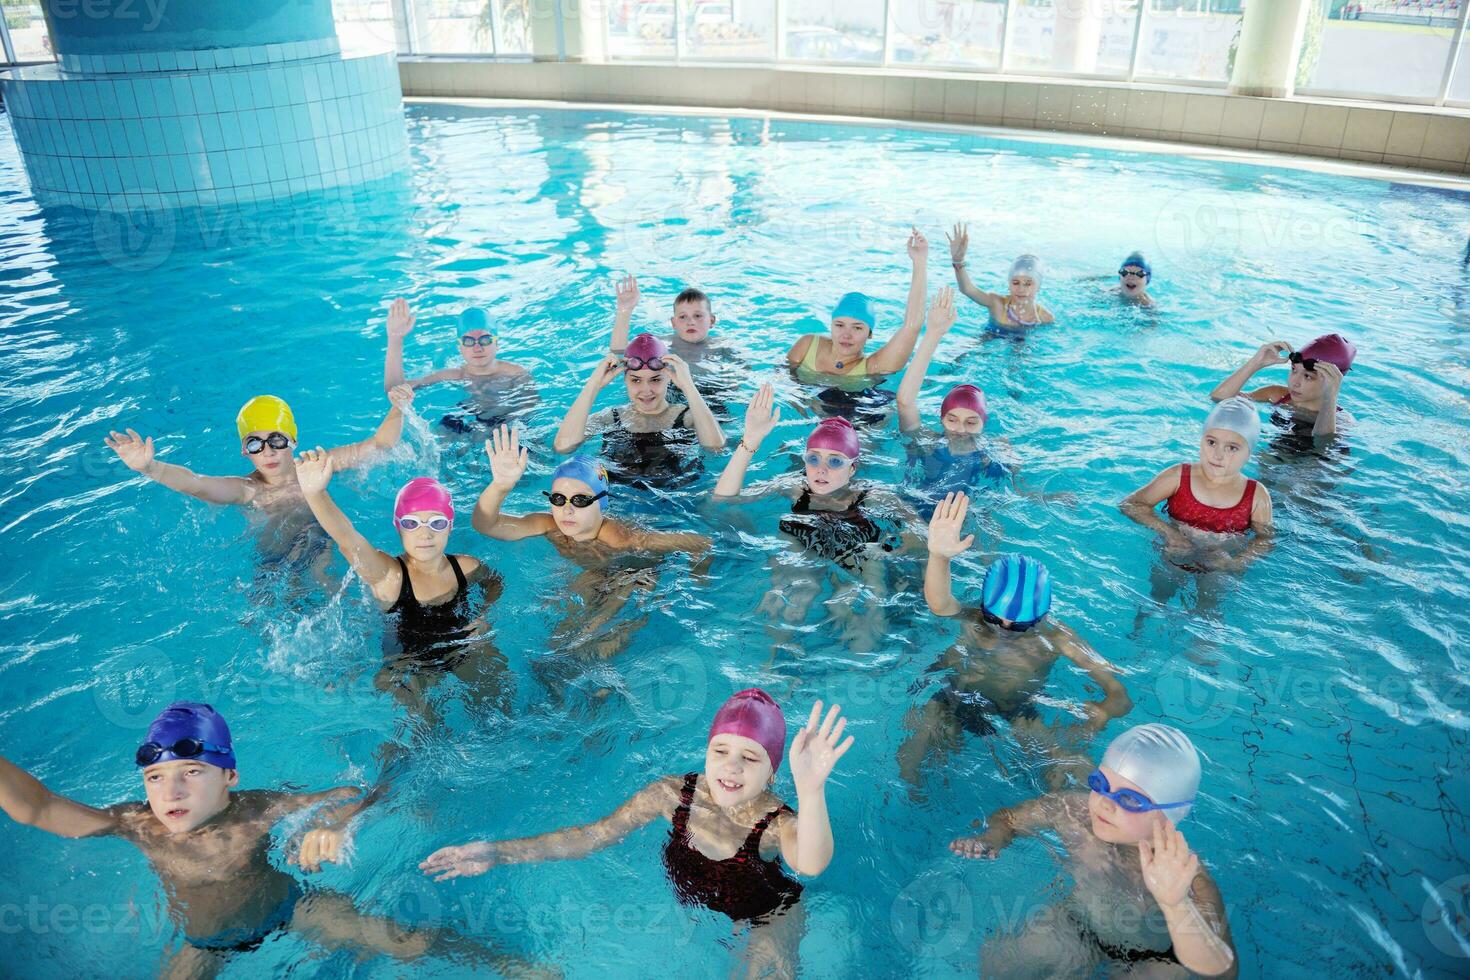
1026	265
1238	415
1162	761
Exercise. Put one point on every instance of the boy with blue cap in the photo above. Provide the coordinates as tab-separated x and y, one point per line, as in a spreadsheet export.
1134	277
1140	900
1004	655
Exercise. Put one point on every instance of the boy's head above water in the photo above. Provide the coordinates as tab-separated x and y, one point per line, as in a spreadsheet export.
267	433
1135	273
1148	774
583	480
693	316
188	764
1305	381
747	741
1017	593
477	343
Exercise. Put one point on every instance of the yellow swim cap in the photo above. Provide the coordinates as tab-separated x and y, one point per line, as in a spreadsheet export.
266	413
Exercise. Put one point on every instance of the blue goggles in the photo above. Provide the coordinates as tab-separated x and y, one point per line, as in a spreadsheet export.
1130	800
832	461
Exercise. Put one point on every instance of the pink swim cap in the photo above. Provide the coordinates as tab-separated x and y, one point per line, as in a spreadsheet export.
965	396
751	713
646	347
423	493
1333	348
838	435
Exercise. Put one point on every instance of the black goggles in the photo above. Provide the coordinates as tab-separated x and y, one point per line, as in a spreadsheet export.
578	500
184	748
484	340
641	364
1307	363
991	617
255	445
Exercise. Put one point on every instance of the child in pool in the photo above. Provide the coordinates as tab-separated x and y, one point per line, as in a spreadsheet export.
210	847
497	389
1210	501
692	321
1018	310
728	810
1007	650
650	441
1135	275
445	635
1140	900
1312	387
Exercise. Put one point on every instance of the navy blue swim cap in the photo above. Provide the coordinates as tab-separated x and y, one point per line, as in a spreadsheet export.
191	719
1137	261
1018	589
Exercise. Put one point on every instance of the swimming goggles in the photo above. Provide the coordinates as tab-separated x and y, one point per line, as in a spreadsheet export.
641	364
578	500
433	523
484	340
1307	363
1133	272
1014	627
834	462
184	748
1130	800
255	445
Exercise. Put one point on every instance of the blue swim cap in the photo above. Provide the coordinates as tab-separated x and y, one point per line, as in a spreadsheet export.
1017	588
191	719
474	318
1137	260
856	306
586	469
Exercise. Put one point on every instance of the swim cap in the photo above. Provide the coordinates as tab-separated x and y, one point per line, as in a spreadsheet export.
856	306
266	413
1333	348
474	318
1017	588
1237	414
586	469
423	493
646	347
1026	265
190	719
751	713
835	434
1162	761
965	396
1136	260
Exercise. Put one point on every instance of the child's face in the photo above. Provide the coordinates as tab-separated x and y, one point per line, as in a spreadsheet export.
1133	280
1112	823
269	462
1222	453
828	471
581	523
1304	385
423	542
1023	287
476	357
185	793
737	768
692	321
849	336
647	390
963	422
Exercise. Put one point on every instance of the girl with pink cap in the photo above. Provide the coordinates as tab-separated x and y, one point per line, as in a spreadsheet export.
729	809
1311	389
435	634
650	441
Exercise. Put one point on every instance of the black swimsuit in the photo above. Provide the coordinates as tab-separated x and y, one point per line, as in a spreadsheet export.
744	886
666	458
839	535
431	637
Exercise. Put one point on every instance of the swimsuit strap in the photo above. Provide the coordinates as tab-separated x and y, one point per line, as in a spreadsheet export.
679	419
405	589
752	843
686	797
1184	480
460	582
858	501
812	349
803	503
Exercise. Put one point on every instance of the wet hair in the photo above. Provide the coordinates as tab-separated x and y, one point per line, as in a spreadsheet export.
692	295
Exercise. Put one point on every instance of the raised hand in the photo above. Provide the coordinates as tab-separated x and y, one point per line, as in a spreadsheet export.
462	861
679	372
135	451
1169	866
1273	352
947	524
627	293
941	312
318	847
314	471
400	397
974	847
400	319
816	749
608	368
1331	376
959	243
918	245
507	457
761	415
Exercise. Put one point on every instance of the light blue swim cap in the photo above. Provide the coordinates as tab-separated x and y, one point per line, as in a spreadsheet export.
1238	415
1162	761
1137	261
1017	588
474	318
586	469
856	306
1026	265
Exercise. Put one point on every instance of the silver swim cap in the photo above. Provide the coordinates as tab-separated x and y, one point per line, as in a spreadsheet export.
1237	415
1161	760
1026	265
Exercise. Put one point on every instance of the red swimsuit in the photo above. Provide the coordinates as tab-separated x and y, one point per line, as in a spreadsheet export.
1185	508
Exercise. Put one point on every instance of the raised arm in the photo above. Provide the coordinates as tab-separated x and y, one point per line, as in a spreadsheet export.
945	528
1192	906
1004	826
895	354
627	302
507	465
760	419
573	430
959	244
941	317
647	805
806	842
26	801
711	436
1115	703
400	323
1273	352
137	454
389	431
314	472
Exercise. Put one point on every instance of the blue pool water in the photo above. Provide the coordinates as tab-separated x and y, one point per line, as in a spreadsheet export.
1327	688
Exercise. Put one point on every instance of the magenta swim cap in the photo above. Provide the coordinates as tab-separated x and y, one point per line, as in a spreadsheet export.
1333	348
423	493
965	396
751	713
838	435
646	347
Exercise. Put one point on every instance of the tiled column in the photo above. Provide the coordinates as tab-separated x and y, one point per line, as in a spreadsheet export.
1270	44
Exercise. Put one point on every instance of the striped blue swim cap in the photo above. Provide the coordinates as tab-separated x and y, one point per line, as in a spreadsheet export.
1017	588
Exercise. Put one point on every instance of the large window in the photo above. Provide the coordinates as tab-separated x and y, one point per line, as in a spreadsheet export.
961	33
436	26
834	30
1086	37
1387	48
1189	39
27	29
364	24
729	30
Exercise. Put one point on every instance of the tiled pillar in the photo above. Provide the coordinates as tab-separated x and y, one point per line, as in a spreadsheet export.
1270	44
212	102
